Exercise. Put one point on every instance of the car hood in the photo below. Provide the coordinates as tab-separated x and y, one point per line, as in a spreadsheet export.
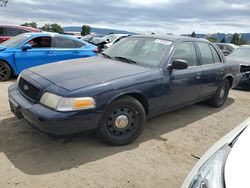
238	162
80	73
239	61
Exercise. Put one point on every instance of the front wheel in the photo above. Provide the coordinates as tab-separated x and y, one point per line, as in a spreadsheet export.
122	122
5	71
221	94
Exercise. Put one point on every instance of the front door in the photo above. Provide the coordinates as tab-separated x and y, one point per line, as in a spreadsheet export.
41	53
183	85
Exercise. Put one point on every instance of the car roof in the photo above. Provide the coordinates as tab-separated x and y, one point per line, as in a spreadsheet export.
21	27
49	34
172	37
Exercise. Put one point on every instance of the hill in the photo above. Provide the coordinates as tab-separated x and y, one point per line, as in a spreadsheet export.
98	30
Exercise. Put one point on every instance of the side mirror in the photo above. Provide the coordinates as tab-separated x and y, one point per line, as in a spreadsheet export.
179	64
26	47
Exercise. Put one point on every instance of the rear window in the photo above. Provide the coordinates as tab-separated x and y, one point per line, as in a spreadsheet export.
13	42
14	31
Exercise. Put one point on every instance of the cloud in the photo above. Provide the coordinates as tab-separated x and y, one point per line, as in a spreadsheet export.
162	16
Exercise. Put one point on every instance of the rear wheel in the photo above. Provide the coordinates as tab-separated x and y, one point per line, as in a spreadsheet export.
221	94
5	71
122	122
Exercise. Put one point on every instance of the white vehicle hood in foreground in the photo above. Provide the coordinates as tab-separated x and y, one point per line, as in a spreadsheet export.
237	167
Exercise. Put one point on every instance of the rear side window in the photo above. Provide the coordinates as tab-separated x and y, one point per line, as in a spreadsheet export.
216	56
1	31
186	51
79	44
14	31
60	42
40	42
206	54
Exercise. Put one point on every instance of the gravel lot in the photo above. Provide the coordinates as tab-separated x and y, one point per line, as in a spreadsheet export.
161	157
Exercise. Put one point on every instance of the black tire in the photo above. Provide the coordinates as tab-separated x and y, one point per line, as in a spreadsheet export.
5	71
122	122
221	94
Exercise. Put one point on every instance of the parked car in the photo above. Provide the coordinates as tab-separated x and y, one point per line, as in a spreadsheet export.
89	38
33	49
137	78
226	48
242	56
7	31
107	41
226	164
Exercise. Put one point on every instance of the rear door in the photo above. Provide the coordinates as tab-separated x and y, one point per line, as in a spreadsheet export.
41	53
184	85
66	48
212	68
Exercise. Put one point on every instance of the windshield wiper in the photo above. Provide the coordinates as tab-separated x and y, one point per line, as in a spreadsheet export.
106	55
127	60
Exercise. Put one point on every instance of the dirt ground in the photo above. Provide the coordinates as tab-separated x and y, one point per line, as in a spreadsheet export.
161	157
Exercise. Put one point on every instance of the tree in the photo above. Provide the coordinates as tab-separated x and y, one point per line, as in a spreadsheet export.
238	39
52	28
85	30
223	40
235	39
3	3
31	24
193	34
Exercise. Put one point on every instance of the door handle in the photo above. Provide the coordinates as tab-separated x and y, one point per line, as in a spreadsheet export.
76	52
198	76
49	53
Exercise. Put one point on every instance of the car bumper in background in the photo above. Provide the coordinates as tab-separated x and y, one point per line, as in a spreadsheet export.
50	121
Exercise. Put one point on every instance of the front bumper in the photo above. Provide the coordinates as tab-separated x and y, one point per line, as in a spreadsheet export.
50	121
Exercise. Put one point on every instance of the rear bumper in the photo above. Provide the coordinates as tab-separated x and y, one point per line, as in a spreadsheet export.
50	121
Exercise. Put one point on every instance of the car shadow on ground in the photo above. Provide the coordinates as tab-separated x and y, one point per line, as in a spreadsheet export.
36	153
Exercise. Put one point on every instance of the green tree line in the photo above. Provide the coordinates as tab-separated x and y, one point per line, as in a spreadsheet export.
54	27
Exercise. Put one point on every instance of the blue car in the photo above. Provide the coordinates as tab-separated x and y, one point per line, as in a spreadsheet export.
33	49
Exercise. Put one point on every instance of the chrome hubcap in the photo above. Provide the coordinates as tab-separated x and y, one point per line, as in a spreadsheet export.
121	121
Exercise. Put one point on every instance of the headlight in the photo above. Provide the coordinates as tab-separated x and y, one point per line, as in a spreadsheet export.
211	173
66	104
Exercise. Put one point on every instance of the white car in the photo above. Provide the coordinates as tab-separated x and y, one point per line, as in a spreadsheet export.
109	40
226	164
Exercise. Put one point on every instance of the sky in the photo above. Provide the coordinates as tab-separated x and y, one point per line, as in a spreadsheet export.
144	16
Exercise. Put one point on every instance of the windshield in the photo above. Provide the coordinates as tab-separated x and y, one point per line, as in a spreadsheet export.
243	53
143	51
13	42
111	38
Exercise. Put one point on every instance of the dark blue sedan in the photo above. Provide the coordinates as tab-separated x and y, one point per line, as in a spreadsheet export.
137	78
33	49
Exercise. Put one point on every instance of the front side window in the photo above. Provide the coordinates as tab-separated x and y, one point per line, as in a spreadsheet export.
186	51
206	54
40	42
61	42
142	50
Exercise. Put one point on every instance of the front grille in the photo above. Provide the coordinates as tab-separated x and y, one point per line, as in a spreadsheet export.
28	90
244	68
